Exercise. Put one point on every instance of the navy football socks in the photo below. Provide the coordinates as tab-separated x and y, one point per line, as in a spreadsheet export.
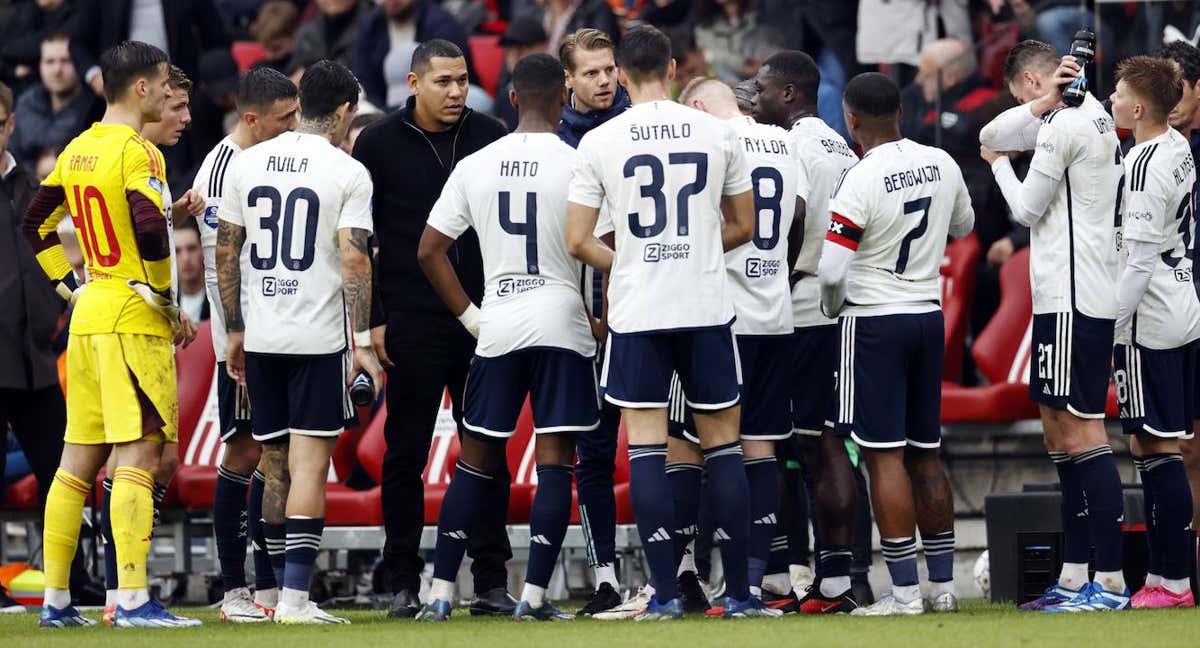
1097	471
900	554
939	556
264	575
303	543
1077	535
762	476
1171	516
729	491
548	522
229	526
654	512
686	483
275	535
458	518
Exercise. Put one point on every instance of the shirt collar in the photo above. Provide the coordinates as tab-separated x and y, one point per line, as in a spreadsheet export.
11	163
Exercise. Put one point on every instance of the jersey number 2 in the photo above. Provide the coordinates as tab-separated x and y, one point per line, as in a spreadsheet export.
912	207
528	229
282	250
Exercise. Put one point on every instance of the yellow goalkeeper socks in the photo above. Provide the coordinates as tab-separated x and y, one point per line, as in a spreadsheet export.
64	514
132	521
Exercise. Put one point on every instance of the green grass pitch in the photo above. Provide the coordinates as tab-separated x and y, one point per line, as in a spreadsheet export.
978	624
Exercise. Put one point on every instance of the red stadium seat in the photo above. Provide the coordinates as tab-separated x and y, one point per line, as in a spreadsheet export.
958	287
247	53
21	495
487	56
992	51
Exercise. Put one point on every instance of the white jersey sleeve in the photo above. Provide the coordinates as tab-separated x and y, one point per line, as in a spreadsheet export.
449	213
1158	211
210	184
356	210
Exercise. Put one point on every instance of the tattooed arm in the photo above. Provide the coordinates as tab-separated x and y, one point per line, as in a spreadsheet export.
230	238
355	248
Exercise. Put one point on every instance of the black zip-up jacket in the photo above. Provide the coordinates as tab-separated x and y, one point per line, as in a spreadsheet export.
408	176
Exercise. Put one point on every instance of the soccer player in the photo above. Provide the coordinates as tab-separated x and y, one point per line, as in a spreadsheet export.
786	96
758	278
176	118
1070	200
268	103
305	208
120	359
595	96
534	335
1158	320
879	271
678	186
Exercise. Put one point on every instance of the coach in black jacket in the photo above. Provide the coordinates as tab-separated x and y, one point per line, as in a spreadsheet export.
410	154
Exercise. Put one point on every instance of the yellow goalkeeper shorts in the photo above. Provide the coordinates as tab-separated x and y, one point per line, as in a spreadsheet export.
121	387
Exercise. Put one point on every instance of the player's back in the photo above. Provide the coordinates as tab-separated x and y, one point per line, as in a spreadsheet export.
97	170
1159	210
1073	263
900	202
663	168
513	192
292	194
758	269
824	159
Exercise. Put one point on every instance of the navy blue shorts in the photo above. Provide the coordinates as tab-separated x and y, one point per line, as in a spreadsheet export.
814	383
561	386
637	369
1156	390
1071	363
233	406
767	373
680	424
297	394
890	380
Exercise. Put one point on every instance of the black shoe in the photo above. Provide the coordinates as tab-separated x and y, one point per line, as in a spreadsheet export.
695	601
860	590
494	602
816	603
88	594
788	603
405	605
604	598
9	605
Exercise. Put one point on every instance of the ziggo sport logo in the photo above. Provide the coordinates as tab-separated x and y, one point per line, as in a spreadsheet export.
655	252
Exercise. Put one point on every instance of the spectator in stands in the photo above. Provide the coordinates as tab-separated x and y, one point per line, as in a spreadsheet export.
55	110
722	27
595	95
360	123
189	260
690	62
386	39
31	401
563	17
331	34
665	14
21	42
182	28
410	154
524	36
275	29
240	15
212	100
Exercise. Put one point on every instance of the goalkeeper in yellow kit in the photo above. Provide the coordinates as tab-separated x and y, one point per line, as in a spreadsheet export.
120	355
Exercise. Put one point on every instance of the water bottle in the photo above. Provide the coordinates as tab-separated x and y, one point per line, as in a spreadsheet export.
362	390
1083	48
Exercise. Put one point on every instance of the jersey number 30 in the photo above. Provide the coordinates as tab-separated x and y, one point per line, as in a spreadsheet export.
282	250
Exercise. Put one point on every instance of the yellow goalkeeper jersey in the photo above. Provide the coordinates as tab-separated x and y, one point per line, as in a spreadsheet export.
96	171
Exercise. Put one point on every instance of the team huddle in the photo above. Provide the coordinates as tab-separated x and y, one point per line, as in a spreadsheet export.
760	281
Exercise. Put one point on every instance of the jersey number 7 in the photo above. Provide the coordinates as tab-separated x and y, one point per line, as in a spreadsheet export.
912	207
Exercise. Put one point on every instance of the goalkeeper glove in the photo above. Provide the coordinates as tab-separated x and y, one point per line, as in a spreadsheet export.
158	301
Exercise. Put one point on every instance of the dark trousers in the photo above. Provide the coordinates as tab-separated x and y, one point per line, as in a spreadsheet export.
38	418
426	363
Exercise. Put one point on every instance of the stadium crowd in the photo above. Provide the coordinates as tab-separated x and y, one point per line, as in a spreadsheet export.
947	59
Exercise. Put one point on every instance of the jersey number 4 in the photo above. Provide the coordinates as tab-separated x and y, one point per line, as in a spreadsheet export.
282	250
654	191
528	229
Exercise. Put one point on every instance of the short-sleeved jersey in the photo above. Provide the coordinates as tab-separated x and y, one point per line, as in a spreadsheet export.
1158	210
293	194
758	269
661	169
210	183
896	208
824	158
514	193
1073	247
97	171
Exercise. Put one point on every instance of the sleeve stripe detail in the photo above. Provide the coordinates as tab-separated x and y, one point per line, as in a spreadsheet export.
155	166
843	232
216	174
1140	167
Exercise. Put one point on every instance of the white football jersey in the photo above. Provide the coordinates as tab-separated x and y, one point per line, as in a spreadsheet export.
661	169
758	269
897	207
1159	210
514	193
210	183
824	158
292	194
1073	247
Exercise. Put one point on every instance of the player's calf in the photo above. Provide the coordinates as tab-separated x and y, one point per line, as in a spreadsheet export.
547	525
